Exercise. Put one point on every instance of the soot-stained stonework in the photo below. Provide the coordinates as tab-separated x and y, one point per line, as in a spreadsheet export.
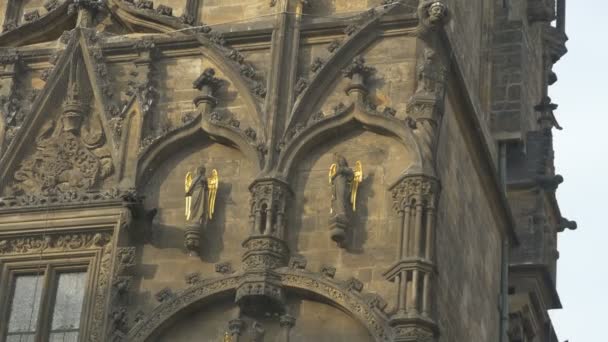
340	158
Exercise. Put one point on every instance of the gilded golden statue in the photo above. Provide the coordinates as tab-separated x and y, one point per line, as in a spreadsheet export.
345	184
201	193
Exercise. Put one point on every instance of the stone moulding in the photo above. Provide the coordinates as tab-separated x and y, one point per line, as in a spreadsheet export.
354	115
29	33
337	293
28	202
97	245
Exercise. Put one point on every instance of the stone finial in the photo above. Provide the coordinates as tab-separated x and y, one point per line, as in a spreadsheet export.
357	67
207	79
359	74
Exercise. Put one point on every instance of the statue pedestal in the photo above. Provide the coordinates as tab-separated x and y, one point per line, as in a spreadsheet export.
192	239
337	229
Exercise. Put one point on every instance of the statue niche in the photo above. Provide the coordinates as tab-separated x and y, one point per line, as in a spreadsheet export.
345	185
71	153
201	193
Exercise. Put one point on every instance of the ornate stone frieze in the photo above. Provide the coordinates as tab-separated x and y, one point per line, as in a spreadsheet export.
264	252
60	199
53	243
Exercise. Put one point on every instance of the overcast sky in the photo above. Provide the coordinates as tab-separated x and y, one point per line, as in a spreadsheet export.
580	151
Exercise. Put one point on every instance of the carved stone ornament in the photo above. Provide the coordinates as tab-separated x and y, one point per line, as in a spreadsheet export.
71	153
53	243
413	334
422	188
432	14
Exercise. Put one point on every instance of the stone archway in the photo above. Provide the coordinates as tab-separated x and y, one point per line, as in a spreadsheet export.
346	296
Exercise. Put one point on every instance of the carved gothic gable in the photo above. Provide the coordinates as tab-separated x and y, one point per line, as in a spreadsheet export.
63	145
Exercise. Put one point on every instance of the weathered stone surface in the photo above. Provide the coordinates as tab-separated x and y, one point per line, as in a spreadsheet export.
293	84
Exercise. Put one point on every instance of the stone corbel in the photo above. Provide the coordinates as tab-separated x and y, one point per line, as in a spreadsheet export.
432	16
137	221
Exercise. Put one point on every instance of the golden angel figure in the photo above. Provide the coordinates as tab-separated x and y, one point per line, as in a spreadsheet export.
345	184
201	193
357	179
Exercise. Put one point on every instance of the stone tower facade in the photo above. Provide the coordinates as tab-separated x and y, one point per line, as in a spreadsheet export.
278	170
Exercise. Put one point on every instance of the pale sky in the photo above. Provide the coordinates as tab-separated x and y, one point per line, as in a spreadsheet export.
580	151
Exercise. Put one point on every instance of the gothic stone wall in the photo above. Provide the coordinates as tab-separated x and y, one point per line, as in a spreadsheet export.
468	241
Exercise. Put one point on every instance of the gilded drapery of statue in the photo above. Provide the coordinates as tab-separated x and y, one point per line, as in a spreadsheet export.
345	185
201	193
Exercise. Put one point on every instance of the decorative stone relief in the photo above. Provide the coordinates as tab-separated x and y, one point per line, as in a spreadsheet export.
53	243
69	157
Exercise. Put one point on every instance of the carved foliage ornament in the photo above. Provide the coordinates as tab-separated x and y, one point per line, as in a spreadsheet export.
420	187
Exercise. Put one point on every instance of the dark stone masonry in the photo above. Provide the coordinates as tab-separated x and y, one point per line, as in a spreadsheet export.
285	170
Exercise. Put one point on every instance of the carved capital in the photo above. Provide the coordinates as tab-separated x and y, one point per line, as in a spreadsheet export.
423	189
208	85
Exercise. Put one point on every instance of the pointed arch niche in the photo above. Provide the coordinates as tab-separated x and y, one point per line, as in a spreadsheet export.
163	188
372	239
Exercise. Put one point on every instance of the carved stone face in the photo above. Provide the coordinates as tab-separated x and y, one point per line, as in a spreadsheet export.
201	170
437	12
